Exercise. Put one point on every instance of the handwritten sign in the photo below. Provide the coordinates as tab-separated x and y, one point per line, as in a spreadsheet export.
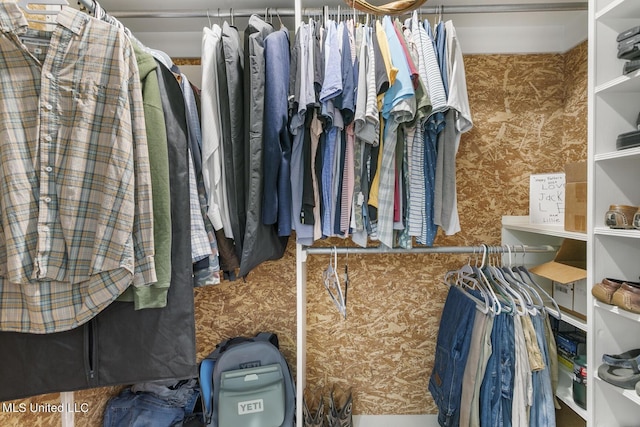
546	199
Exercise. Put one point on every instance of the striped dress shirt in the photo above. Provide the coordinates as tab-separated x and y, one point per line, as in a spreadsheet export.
76	210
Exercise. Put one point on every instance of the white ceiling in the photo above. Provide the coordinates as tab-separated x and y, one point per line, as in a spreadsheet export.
528	32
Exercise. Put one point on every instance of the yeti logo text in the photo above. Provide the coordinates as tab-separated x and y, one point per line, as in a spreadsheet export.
250	407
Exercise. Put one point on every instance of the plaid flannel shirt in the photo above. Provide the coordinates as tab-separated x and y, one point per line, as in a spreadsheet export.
76	225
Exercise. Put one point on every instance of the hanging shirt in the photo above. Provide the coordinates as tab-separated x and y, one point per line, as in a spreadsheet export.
428	67
383	44
76	211
200	246
331	88
367	118
399	105
434	125
458	122
155	296
441	52
211	127
302	96
276	198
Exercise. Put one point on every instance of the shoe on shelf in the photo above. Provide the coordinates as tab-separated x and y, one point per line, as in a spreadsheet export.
636	220
629	359
340	408
621	377
627	297
620	216
604	290
313	410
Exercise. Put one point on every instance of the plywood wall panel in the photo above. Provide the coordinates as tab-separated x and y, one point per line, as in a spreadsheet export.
529	115
575	105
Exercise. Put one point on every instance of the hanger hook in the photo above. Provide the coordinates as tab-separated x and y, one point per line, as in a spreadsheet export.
209	18
279	19
485	253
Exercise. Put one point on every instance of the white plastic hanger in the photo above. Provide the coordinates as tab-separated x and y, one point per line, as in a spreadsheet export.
498	307
520	303
523	286
464	278
524	273
26	7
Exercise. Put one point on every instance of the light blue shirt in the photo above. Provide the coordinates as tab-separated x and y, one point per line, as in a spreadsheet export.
403	86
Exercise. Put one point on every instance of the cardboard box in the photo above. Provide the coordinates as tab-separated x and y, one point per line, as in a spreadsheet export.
563	294
575	211
568	272
580	298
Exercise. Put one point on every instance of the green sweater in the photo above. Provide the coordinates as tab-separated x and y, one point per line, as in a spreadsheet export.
155	295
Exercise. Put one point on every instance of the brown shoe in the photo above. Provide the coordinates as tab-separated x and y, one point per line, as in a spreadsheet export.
627	297
604	290
620	216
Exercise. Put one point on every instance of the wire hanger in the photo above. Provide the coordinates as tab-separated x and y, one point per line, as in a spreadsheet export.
331	281
346	283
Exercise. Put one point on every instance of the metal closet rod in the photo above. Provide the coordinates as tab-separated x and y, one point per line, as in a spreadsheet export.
290	12
479	250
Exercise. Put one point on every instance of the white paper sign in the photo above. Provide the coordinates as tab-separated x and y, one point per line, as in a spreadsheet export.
546	199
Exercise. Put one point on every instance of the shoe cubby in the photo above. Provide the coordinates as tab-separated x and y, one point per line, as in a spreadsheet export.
609	320
620	105
616	183
613	177
618	255
616	406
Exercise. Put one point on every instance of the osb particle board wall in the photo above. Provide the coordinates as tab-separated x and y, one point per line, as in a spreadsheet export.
530	116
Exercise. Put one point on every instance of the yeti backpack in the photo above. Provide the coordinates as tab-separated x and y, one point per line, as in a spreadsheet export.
246	382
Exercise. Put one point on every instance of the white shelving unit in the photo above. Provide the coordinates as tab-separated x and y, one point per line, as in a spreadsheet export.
614	104
516	230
